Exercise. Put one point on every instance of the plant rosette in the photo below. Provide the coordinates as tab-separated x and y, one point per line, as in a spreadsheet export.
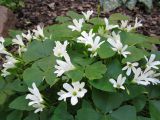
100	67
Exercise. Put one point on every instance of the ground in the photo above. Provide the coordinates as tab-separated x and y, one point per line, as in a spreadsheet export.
45	11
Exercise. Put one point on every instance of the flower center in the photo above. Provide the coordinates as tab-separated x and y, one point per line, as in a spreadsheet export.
74	93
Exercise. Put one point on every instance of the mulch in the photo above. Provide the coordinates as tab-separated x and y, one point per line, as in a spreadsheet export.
45	12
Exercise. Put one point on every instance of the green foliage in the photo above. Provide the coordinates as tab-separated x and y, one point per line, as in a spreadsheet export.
12	4
109	5
98	98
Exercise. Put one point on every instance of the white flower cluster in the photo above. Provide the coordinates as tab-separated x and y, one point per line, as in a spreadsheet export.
9	61
74	91
62	65
124	25
36	99
77	89
117	45
88	40
141	77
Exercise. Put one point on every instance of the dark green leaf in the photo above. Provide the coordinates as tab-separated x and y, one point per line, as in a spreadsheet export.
124	113
37	50
136	54
154	108
139	102
61	113
132	38
105	51
87	114
33	75
15	115
75	75
106	102
91	71
20	103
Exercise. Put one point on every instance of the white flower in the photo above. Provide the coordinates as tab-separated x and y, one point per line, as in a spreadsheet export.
2	47
95	45
19	41
60	49
119	82
74	91
3	50
10	62
2	40
102	31
87	14
124	24
38	33
5	72
117	46
36	99
146	77
109	27
151	63
137	23
63	66
62	95
130	67
86	38
128	28
77	25
27	36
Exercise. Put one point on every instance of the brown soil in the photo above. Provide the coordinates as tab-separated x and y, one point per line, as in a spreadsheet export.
45	11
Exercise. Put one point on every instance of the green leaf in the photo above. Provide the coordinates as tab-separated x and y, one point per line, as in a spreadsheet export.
133	91
154	108
20	103
62	19
91	71
153	91
47	66
139	102
136	55
102	84
3	97
15	115
82	61
13	33
105	51
55	32
114	68
124	113
106	102
97	21
143	118
37	50
132	38
87	114
32	116
33	74
18	85
74	15
75	75
118	16
61	113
